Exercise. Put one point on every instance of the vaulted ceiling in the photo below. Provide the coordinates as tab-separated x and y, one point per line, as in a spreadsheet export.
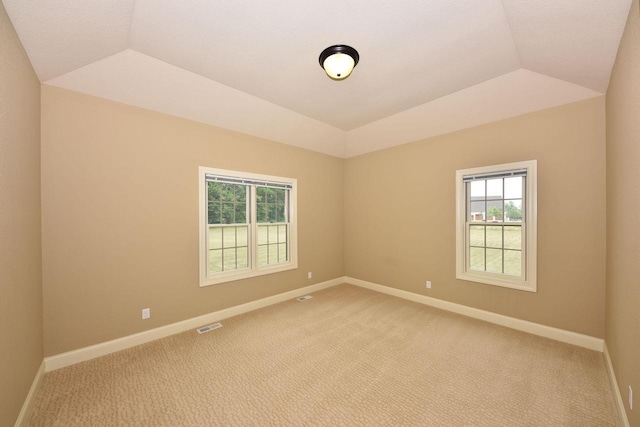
427	67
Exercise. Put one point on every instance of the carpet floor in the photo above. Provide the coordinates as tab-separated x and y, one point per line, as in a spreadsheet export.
348	356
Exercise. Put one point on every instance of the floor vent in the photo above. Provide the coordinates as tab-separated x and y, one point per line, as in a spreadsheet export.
209	328
304	298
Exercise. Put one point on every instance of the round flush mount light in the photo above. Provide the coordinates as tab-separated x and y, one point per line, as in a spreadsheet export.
338	61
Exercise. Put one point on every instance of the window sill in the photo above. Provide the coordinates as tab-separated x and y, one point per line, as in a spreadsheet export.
208	281
497	280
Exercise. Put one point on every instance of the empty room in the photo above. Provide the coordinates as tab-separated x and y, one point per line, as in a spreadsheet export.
319	213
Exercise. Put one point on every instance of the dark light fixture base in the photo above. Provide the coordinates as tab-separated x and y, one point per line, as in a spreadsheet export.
334	50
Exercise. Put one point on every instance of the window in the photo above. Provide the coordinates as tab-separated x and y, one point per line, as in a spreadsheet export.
496	225
247	225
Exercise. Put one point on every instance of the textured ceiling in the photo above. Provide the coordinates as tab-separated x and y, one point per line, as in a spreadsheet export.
262	58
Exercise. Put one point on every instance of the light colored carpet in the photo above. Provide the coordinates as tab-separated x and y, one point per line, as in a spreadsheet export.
348	356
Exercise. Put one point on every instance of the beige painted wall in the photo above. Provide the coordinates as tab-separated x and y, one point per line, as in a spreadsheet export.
20	249
120	217
400	215
623	203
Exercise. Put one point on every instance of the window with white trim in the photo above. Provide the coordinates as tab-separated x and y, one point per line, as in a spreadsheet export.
496	225
247	225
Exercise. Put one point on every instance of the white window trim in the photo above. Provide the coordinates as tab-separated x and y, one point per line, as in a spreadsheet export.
253	270
529	283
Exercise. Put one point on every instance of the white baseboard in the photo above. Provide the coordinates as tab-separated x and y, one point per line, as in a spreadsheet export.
617	397
574	338
87	353
76	356
28	402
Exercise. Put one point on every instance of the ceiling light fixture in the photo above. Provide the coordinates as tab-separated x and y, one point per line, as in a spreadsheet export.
338	61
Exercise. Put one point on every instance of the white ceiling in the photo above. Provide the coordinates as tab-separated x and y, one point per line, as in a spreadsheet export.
427	66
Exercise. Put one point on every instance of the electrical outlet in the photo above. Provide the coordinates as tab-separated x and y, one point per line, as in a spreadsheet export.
428	284
146	313
309	275
630	398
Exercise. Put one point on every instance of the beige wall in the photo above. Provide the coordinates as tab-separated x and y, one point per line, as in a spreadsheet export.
400	215
20	249
623	204
120	217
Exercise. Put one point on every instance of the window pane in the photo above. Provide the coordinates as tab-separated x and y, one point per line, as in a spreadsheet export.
229	256
229	237
513	210
262	255
476	235
213	214
215	261
215	237
494	211
280	213
272	214
476	259
241	213
494	189
273	234
477	211
241	193
513	237
214	191
477	189
228	213
242	257
494	260
260	197
282	252
242	236
513	263
273	254
262	235
228	192
494	237
261	212
513	188
282	233
280	195
271	195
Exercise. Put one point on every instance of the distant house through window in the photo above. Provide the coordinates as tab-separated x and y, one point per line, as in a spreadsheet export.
496	225
247	225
